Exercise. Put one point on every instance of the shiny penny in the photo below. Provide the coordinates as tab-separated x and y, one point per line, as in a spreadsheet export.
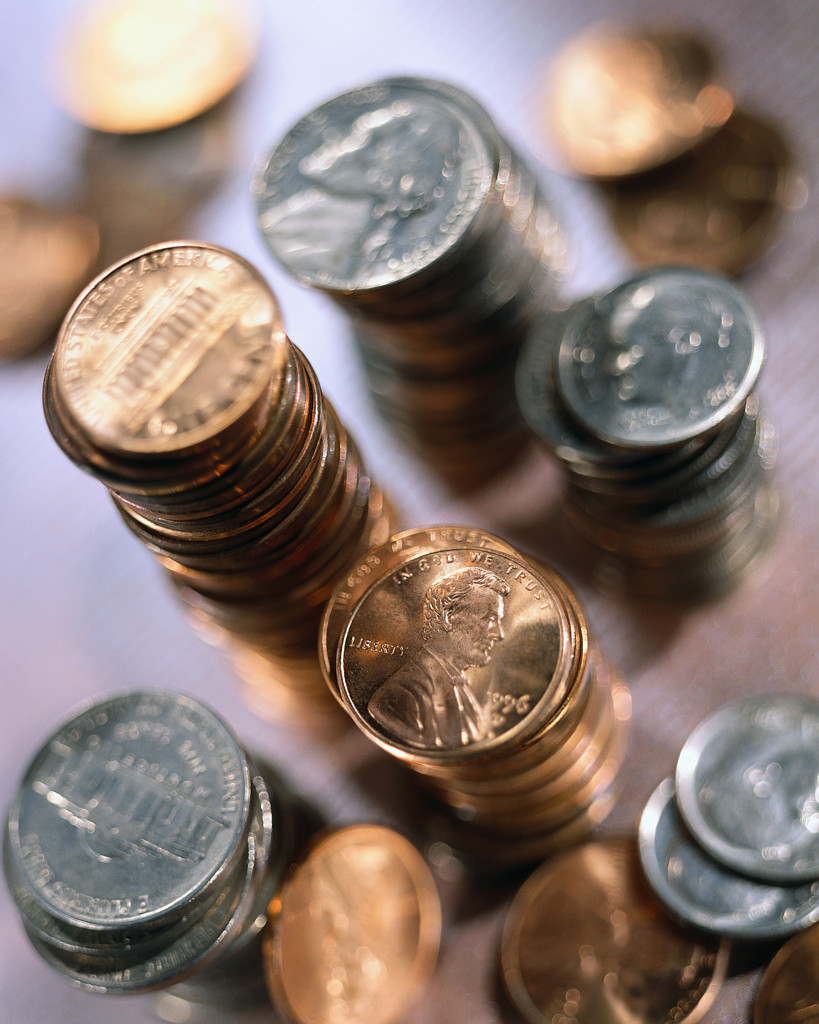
789	990
584	940
142	65
354	932
167	348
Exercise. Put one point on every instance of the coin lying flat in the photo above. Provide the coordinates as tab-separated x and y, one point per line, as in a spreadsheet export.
355	931
621	101
747	786
142	65
703	892
583	940
789	990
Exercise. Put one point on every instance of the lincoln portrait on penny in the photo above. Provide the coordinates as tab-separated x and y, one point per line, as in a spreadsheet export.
429	700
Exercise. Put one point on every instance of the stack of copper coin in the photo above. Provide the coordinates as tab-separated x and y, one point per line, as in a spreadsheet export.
403	203
646	396
143	847
173	382
688	178
473	665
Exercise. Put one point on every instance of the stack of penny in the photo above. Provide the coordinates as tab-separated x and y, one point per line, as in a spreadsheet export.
729	844
688	178
403	203
645	394
174	383
473	665
143	847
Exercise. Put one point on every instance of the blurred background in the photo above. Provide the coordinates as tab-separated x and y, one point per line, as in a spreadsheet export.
85	610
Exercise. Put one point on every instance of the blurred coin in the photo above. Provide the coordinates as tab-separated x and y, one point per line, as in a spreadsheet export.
355	931
747	786
621	101
140	65
789	990
584	941
46	257
706	894
716	208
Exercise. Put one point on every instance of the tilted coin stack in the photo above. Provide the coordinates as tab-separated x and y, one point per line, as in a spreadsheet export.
143	847
473	665
174	383
403	203
646	396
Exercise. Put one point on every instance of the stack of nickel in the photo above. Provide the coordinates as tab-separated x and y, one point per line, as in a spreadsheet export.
143	848
173	383
473	665
645	394
403	203
731	844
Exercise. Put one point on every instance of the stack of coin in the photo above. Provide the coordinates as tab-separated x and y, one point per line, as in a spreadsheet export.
403	203
731	843
585	941
687	177
645	395
473	665
143	847
173	382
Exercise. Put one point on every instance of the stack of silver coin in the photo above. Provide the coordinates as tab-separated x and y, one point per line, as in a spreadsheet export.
174	383
143	847
403	203
645	393
731	844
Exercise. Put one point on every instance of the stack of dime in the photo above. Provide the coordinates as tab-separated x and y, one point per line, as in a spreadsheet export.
731	843
143	847
687	177
403	203
173	382
646	396
473	665
584	941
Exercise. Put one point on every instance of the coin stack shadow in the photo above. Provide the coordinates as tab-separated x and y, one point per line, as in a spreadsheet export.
523	754
645	396
211	432
404	204
143	847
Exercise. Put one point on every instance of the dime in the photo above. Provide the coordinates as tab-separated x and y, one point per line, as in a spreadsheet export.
662	359
46	256
789	990
704	893
747	786
622	101
143	65
584	941
355	931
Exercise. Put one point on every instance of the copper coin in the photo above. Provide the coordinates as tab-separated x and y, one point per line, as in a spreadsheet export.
584	940
789	990
143	65
355	930
624	101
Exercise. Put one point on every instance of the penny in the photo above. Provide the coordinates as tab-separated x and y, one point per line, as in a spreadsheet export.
583	939
621	101
717	208
143	65
46	257
355	930
704	893
664	358
747	786
789	990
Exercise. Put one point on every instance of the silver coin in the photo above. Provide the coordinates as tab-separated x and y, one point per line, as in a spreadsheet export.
664	358
373	186
130	810
702	892
748	786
